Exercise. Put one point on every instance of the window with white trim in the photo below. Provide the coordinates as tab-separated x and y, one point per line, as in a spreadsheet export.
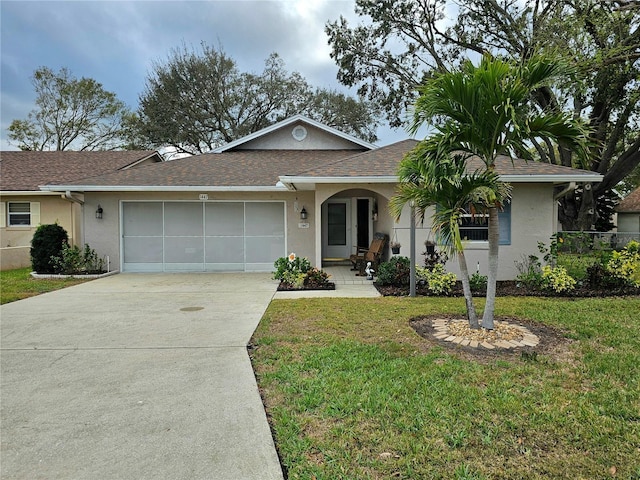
475	227
19	214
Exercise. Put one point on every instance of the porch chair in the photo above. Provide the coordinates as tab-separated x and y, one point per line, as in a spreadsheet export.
372	254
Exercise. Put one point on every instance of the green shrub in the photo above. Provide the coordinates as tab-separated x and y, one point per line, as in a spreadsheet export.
394	272
529	272
47	242
438	281
72	261
478	282
626	264
599	277
315	278
577	264
291	265
557	279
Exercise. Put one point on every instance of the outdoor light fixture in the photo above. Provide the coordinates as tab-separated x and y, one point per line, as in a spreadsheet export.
303	214
99	212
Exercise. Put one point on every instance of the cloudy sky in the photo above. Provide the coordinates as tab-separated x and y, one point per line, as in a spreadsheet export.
116	42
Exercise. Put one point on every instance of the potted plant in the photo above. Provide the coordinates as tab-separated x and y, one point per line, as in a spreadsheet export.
395	247
430	246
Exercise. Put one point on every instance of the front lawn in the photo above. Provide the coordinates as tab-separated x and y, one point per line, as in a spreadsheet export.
354	393
18	284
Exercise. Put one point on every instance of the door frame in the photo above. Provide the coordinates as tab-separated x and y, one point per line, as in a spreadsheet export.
351	226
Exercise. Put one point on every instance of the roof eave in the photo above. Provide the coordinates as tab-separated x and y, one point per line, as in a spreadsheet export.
26	192
551	178
367	179
161	188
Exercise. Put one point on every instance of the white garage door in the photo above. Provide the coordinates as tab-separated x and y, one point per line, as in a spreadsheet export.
202	236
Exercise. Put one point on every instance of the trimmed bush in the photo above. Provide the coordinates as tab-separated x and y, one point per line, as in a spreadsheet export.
394	272
47	242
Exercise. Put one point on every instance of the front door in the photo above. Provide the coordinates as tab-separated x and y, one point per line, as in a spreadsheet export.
336	229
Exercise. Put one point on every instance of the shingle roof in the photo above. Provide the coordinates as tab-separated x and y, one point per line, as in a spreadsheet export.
384	162
631	203
228	169
26	171
263	168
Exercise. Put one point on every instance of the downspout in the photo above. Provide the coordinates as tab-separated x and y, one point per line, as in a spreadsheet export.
69	197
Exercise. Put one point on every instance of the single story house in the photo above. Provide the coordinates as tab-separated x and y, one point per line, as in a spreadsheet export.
23	206
297	186
628	211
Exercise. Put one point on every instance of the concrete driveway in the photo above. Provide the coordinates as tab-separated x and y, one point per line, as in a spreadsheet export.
136	376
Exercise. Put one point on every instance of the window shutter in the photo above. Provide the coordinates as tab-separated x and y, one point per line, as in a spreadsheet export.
504	217
35	213
3	214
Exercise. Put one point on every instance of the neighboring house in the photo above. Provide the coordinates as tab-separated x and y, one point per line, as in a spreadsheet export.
23	206
296	186
628	211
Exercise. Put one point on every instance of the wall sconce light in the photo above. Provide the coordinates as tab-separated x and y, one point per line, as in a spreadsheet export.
99	212
303	214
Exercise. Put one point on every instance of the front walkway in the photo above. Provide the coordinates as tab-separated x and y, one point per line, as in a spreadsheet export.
348	285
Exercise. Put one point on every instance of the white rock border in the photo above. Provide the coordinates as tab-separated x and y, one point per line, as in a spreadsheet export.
92	276
441	328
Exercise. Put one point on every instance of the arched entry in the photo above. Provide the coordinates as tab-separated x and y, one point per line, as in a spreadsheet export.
347	222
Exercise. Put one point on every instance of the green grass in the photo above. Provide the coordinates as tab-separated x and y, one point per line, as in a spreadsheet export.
346	380
18	284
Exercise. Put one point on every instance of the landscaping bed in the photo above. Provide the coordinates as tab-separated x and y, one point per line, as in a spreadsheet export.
515	289
287	287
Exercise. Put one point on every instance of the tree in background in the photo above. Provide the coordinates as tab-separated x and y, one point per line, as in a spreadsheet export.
71	114
405	42
197	101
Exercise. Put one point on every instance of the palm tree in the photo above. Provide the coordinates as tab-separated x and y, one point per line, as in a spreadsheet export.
485	111
440	180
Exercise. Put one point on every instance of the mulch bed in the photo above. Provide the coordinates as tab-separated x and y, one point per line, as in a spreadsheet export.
553	342
285	287
514	289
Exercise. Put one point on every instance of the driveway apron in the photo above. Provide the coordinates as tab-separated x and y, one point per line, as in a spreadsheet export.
141	376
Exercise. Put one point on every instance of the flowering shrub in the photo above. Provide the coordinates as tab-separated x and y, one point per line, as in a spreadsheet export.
438	281
316	277
289	267
626	264
297	272
557	279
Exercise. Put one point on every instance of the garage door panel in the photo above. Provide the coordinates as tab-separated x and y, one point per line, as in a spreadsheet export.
143	249
224	250
264	219
183	219
142	219
263	249
183	250
224	219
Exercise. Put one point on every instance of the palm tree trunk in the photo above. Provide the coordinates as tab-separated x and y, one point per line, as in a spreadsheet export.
466	288
494	241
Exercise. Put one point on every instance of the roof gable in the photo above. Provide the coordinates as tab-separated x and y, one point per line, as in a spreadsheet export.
27	170
297	133
631	203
